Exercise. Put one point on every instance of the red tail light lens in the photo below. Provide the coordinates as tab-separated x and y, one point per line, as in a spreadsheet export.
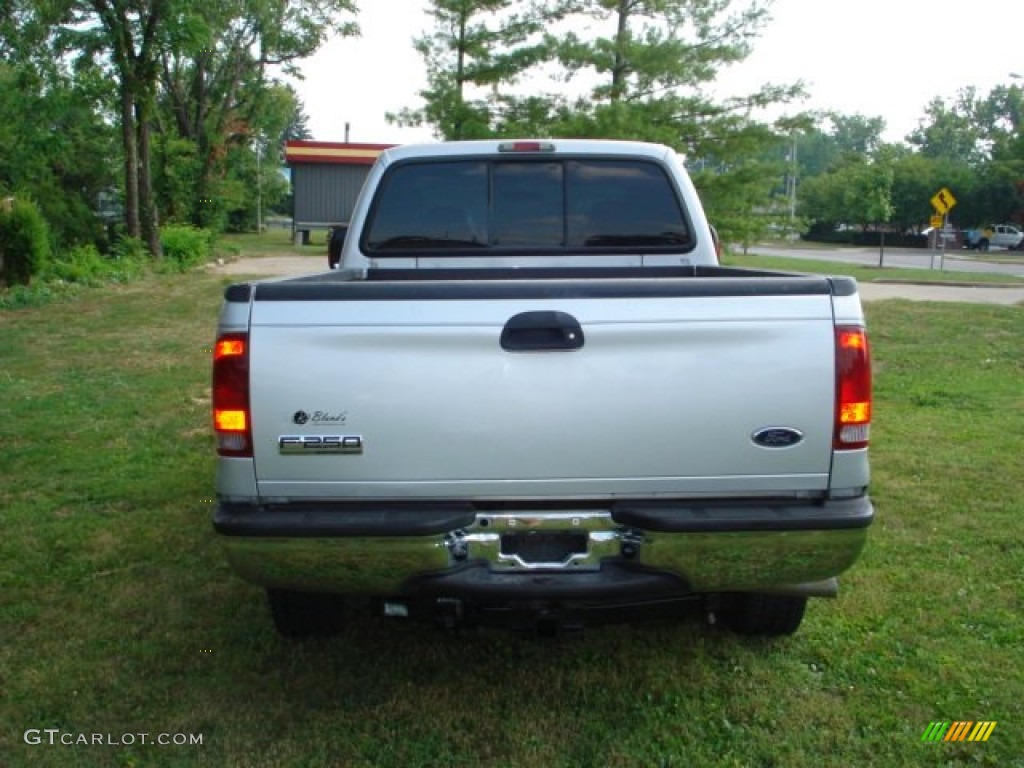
231	423
853	389
526	146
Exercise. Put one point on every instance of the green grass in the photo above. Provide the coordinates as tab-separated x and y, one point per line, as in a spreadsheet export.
274	241
867	274
119	615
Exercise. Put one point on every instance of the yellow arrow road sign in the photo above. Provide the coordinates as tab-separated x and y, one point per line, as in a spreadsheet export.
943	201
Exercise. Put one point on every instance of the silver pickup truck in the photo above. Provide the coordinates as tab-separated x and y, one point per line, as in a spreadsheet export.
531	396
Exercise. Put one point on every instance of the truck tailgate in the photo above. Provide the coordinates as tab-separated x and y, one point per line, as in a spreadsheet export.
409	393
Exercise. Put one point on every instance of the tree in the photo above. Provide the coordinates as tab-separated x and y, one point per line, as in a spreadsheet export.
951	132
476	48
915	180
55	144
131	35
856	134
650	65
143	41
870	197
218	95
978	140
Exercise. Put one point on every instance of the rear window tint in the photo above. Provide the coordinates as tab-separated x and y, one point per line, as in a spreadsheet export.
476	206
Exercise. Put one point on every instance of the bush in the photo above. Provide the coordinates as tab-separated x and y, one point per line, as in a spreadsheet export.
24	241
87	266
185	247
129	249
68	273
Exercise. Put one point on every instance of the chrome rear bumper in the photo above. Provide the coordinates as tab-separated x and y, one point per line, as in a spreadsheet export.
626	549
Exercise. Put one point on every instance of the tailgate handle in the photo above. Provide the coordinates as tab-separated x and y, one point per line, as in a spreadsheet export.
541	331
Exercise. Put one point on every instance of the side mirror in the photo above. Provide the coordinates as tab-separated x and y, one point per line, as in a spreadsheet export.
334	245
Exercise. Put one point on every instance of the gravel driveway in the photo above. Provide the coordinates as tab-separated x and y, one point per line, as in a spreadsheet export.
292	266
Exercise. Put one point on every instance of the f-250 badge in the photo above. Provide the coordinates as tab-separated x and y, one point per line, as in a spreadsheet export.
308	445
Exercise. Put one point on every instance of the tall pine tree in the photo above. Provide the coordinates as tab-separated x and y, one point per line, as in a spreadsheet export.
476	51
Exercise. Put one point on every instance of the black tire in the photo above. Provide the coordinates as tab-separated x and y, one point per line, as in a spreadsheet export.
754	613
306	614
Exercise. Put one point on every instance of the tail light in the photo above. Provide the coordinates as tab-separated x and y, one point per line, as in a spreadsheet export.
232	423
526	146
853	389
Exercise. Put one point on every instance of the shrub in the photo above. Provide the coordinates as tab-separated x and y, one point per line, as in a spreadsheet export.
24	241
185	247
88	266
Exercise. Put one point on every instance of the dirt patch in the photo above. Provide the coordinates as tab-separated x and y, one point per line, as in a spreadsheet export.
272	266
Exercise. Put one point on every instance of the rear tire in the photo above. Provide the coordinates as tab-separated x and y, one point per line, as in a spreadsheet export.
757	614
306	614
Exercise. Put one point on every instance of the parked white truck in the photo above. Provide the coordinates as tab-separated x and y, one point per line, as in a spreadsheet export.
999	236
530	396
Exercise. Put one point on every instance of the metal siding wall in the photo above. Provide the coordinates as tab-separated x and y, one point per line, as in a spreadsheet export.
326	193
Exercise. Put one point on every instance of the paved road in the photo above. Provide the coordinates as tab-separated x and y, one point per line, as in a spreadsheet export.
290	266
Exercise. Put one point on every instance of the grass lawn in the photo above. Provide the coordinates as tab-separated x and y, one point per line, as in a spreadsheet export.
865	273
274	241
119	616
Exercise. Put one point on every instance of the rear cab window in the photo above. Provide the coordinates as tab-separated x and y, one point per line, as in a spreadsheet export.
477	206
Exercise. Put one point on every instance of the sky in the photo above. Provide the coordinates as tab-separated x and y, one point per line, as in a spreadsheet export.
876	58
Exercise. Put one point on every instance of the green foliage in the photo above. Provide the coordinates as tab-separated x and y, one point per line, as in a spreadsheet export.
950	131
67	272
86	265
220	108
176	169
129	249
740	204
653	69
55	145
24	241
477	47
185	247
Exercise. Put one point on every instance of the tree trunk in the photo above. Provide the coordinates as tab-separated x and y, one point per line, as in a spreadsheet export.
131	160
460	77
621	66
148	215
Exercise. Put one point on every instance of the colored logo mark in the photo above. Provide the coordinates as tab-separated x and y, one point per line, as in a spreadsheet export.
958	730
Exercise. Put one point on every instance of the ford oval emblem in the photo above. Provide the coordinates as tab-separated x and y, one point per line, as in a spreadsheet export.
777	437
